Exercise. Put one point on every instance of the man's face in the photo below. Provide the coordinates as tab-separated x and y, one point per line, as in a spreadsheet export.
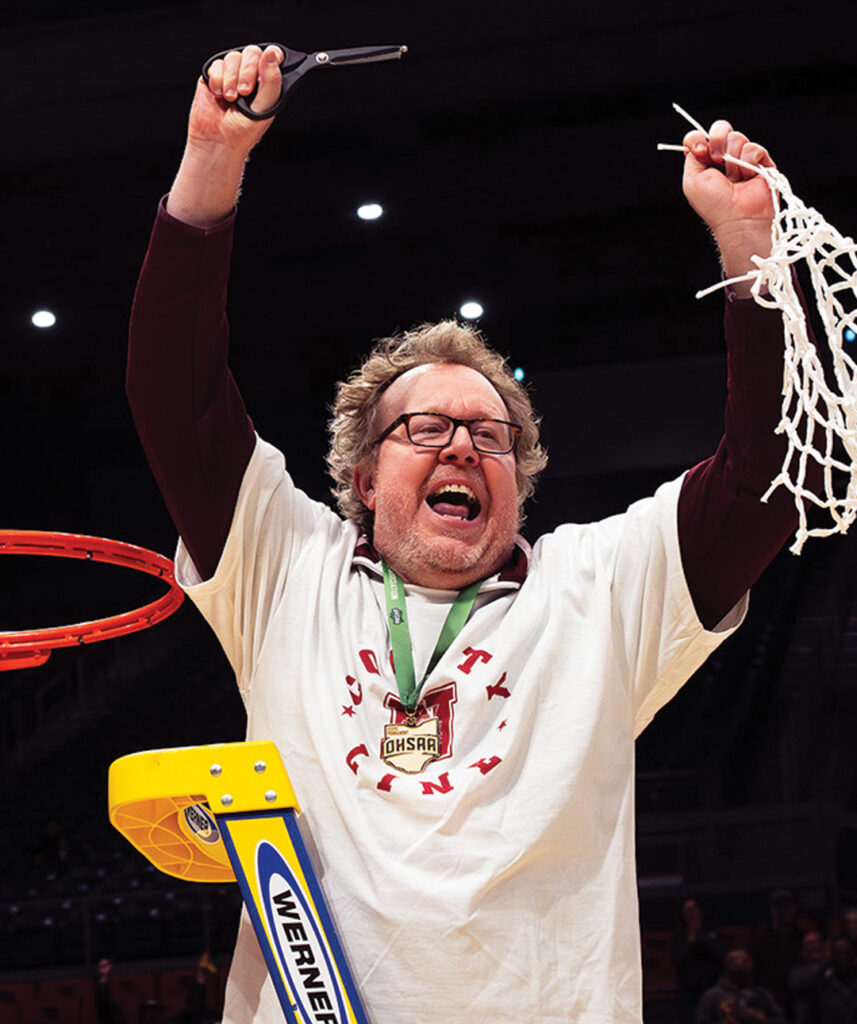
842	958
812	947
738	967
692	914
426	540
782	911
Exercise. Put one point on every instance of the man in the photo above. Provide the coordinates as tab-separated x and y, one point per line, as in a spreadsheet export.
735	999
805	976
776	946
696	957
849	919
476	835
835	997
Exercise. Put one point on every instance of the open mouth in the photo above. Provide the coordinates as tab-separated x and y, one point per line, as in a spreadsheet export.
456	501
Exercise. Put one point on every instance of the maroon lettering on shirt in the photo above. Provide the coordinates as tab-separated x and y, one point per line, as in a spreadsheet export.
498	689
486	764
370	662
355	689
386	784
353	754
472	656
443	785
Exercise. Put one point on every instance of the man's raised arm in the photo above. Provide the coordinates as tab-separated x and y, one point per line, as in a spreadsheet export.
727	535
187	408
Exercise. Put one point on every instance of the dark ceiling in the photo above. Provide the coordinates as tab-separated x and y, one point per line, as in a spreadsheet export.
514	149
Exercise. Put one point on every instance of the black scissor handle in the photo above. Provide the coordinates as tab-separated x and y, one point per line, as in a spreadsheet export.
295	64
292	60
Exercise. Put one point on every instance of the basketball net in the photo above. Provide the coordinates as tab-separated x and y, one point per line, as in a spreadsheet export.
818	414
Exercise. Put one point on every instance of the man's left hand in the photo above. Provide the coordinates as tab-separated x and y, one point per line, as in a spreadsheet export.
735	202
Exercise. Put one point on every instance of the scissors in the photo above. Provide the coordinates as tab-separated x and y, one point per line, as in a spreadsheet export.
295	65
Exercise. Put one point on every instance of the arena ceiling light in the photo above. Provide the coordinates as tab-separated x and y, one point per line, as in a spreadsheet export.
471	310
43	318
370	211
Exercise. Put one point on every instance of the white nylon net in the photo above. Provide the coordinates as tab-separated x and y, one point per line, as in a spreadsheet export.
819	409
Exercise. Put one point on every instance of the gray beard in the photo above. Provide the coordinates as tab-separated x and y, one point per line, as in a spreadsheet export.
414	557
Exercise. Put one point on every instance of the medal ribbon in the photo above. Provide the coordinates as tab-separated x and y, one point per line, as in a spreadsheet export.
400	634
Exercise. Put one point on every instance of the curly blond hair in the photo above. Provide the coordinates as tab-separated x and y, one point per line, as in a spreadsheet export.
353	427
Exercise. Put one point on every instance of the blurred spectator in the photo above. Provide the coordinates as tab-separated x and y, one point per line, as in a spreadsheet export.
849	920
107	1009
735	999
194	1011
695	954
805	976
151	1011
835	999
776	946
50	854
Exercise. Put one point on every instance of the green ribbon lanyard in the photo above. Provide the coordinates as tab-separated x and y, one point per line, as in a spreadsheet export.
400	635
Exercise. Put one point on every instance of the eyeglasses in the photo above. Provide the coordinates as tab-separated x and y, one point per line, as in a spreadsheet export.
436	430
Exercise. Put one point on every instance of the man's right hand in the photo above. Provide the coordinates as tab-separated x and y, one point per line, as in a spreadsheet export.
213	115
220	137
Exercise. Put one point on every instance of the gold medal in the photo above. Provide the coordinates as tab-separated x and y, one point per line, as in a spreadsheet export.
409	746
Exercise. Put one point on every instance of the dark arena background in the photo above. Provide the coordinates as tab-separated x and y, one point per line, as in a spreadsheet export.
514	153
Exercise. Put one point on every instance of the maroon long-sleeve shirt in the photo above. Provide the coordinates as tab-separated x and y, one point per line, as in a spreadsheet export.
198	437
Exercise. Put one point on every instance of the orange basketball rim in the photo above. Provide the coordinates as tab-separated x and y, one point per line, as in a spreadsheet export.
33	646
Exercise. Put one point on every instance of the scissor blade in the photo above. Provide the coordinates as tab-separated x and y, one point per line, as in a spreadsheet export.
364	54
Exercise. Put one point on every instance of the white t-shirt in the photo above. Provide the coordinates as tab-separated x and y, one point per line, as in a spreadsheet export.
497	884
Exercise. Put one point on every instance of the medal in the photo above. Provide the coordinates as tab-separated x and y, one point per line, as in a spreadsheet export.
410	745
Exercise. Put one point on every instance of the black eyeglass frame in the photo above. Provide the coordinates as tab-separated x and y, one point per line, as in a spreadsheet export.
456	423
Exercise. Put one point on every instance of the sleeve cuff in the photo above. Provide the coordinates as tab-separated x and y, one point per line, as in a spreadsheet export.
179	225
733	297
